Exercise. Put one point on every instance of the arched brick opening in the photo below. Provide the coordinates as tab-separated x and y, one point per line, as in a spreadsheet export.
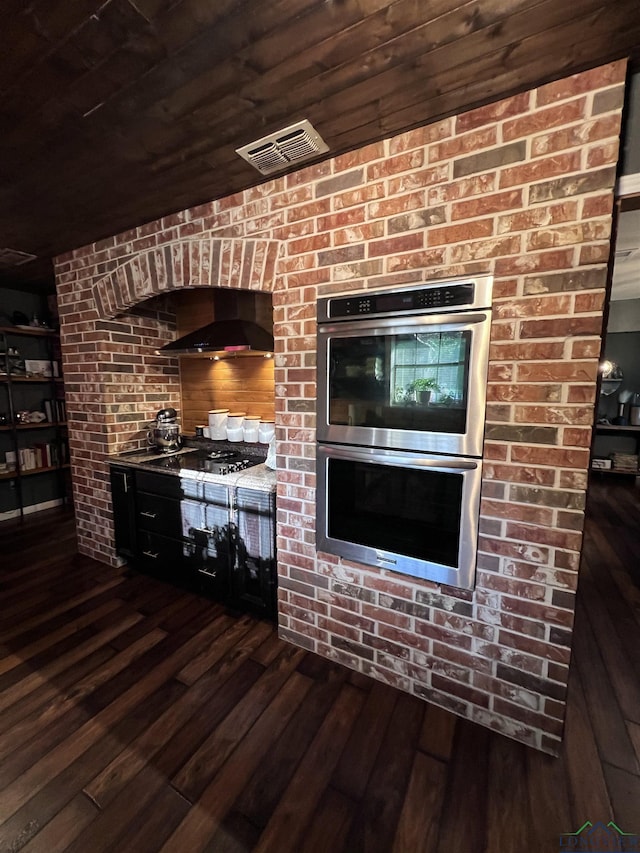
207	262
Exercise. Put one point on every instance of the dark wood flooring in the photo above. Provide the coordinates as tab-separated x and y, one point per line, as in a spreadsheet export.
137	717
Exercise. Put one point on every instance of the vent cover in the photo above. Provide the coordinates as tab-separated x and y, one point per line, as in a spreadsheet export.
275	152
13	258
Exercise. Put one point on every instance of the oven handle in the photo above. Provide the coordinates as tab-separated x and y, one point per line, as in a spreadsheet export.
400	324
446	465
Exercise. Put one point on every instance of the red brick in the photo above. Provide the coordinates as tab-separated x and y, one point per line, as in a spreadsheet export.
555	116
485	137
537	217
394	245
569	87
538	170
454	234
404	162
498	111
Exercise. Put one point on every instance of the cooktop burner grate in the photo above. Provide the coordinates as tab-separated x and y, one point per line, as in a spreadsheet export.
221	462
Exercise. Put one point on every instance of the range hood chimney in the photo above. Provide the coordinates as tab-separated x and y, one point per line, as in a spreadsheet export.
242	326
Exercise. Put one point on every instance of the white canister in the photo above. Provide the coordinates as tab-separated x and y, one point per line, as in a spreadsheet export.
235	421
218	424
266	431
251	428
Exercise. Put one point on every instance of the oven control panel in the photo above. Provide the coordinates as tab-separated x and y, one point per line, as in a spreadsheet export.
442	296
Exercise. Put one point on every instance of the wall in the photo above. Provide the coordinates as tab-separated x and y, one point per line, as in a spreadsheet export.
522	188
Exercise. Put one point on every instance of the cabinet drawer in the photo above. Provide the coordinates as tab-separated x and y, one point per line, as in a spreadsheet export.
160	514
157	550
169	485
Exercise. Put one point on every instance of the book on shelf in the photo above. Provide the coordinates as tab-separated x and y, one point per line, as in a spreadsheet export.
55	410
42	455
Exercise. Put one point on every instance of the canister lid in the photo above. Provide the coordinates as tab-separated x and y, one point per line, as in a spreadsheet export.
218	411
253	417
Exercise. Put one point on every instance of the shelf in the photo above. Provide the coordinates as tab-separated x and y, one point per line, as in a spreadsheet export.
28	331
11	475
617	428
613	472
33	379
42	425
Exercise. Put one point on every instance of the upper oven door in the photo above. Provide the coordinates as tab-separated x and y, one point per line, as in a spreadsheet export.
368	388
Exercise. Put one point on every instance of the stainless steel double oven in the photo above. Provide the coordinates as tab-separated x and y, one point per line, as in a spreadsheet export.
400	424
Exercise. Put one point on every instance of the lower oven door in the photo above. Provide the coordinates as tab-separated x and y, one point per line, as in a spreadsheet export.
407	512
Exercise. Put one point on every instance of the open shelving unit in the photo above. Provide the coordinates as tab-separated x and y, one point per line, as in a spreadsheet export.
618	430
46	453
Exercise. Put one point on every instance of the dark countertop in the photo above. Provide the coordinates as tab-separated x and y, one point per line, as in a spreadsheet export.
257	477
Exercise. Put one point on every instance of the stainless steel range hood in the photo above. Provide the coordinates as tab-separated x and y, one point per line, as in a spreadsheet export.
243	326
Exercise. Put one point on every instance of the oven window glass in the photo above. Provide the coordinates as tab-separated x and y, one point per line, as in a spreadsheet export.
415	512
375	381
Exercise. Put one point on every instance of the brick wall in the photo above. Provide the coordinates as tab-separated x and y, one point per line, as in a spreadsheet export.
521	189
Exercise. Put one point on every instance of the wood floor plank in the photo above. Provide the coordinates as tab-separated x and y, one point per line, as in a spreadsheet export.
50	689
24	653
634	734
507	793
329	827
548	799
260	797
361	751
611	647
194	776
203	701
76	652
373	827
69	750
151	826
60	832
58	705
419	821
464	827
296	808
203	821
49	609
63	780
624	790
209	656
588	793
607	720
112	825
438	730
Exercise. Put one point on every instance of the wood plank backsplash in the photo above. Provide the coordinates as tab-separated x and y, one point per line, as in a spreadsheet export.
239	384
243	384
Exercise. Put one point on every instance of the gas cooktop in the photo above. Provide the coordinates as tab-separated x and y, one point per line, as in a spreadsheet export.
219	462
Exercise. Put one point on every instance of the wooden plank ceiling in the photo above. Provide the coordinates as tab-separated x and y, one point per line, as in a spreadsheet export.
116	112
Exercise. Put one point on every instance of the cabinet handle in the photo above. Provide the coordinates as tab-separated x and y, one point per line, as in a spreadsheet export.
125	480
148	514
151	554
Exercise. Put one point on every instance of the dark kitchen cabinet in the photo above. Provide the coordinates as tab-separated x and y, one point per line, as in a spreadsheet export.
124	510
253	575
215	539
166	508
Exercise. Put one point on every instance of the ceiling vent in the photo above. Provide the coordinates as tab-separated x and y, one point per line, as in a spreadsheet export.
277	151
13	258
